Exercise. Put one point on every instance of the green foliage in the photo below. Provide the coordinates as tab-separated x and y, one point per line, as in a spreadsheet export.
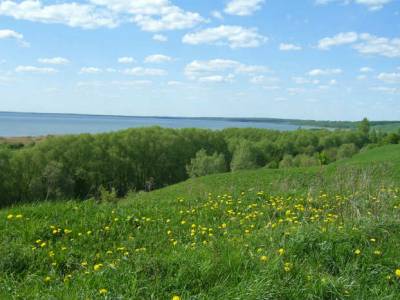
346	151
313	233
204	164
244	157
76	166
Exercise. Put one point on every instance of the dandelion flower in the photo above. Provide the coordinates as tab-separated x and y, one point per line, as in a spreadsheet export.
263	258
10	216
103	291
377	252
47	279
281	251
18	216
397	272
176	298
357	252
97	267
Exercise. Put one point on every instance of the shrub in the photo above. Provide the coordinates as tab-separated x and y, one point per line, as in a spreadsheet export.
204	164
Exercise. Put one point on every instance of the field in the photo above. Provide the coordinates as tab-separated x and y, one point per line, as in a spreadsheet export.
327	232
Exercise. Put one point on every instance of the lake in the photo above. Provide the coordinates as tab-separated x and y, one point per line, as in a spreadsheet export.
37	124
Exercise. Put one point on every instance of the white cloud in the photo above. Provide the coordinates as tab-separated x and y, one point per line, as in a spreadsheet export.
11	34
174	83
389	77
384	89
160	38
139	71
216	78
366	69
372	5
153	15
149	15
324	72
361	77
302	80
54	61
126	60
33	69
289	47
131	83
217	15
370	44
263	80
90	70
243	7
233	36
339	39
71	14
197	69
157	59
364	43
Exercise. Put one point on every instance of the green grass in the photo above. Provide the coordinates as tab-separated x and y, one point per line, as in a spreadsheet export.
217	237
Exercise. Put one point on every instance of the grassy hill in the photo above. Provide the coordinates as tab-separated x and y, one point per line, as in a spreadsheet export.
315	233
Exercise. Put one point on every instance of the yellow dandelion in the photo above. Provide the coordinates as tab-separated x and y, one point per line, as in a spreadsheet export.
397	273
103	291
377	252
281	251
357	252
176	298
263	258
42	245
18	216
47	279
97	267
10	216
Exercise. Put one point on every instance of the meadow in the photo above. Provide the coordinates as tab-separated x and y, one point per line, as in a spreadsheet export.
321	232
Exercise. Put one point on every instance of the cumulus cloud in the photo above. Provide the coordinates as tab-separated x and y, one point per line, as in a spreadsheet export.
153	15
364	43
374	45
160	38
149	15
366	69
54	61
140	71
324	72
72	14
157	59
220	70
243	7
389	77
337	40
232	36
216	78
372	5
11	34
289	47
33	69
90	70
126	60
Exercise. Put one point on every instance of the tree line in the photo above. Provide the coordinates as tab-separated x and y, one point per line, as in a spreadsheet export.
84	166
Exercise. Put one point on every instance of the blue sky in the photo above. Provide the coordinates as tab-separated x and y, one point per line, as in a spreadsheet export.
309	59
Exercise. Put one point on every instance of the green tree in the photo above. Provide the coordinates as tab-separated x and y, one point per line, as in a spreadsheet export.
204	164
364	126
244	157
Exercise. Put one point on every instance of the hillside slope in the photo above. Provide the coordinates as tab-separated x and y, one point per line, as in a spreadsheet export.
318	233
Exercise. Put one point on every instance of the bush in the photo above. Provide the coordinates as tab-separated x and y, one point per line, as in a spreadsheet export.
346	151
204	164
244	157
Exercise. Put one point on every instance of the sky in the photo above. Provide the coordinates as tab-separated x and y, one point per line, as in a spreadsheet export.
306	59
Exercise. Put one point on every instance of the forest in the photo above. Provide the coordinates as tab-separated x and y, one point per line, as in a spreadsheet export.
89	166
